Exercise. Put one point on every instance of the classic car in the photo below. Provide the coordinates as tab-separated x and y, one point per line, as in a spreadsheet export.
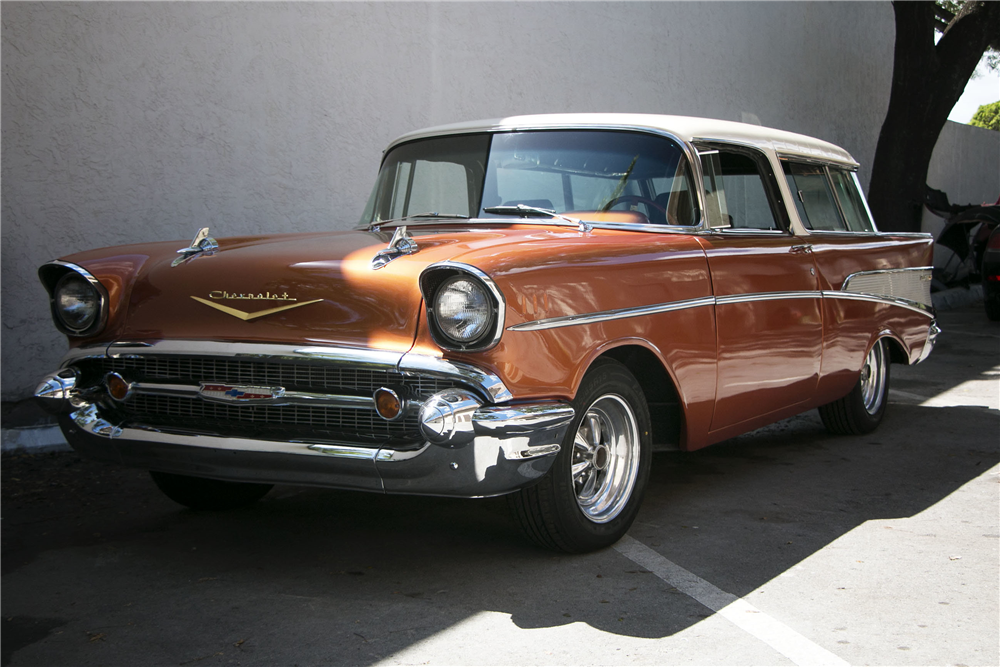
530	306
991	276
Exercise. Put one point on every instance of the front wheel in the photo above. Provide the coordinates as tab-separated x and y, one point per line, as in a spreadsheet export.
592	494
862	410
200	493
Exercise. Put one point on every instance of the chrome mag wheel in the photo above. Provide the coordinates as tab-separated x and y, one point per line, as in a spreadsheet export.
605	458
873	378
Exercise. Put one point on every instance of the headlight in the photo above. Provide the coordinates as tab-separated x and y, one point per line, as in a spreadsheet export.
77	303
463	310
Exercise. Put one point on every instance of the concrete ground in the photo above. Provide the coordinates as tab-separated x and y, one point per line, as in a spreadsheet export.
783	546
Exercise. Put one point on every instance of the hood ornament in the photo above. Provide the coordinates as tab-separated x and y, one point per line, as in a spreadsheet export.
201	243
401	244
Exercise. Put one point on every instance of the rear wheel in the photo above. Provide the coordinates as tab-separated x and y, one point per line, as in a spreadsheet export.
862	410
592	494
200	493
992	300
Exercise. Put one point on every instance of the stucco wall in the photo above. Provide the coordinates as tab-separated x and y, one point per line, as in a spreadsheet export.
125	122
965	165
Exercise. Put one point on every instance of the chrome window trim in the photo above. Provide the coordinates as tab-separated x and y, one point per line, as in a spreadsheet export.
864	200
608	315
825	162
687	148
501	309
555	222
752	230
489	384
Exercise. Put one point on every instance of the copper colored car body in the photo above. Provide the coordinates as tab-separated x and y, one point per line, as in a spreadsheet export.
529	307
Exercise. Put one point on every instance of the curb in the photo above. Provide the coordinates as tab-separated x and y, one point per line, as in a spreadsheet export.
33	440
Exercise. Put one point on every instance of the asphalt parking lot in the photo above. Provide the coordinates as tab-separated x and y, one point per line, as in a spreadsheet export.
783	546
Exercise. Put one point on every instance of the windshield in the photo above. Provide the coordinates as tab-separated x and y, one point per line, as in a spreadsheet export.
590	174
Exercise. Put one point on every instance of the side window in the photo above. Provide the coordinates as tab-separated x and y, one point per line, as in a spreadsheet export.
813	196
436	186
851	200
735	191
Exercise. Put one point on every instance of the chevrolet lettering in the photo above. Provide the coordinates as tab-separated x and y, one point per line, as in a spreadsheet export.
529	307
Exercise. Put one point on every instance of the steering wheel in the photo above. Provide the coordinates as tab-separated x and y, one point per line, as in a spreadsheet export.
634	199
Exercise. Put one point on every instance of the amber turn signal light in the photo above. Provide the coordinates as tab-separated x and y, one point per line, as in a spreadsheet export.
388	404
118	387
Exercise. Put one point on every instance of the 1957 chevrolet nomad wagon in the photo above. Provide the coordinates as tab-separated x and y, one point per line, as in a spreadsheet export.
529	307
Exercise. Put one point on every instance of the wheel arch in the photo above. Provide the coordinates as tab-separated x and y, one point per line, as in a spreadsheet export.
658	386
898	353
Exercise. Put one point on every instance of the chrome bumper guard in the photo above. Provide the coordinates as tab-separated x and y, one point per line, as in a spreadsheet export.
933	331
472	448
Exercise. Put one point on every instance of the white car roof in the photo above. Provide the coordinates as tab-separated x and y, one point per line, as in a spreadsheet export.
685	128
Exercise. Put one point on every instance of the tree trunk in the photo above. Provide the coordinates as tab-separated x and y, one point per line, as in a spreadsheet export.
927	80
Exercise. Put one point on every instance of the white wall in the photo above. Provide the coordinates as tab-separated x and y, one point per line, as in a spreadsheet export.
965	165
125	122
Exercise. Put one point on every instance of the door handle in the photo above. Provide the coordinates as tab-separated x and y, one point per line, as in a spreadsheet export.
801	248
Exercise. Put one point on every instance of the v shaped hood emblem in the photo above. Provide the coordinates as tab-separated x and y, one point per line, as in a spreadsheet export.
246	317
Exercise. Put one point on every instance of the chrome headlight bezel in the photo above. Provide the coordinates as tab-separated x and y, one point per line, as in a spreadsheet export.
61	277
437	278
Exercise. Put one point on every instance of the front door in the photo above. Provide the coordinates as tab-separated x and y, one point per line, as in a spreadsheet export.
768	305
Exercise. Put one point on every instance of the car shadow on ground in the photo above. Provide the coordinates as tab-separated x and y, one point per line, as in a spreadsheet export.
91	550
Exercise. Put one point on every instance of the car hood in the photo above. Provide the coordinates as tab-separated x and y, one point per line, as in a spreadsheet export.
289	288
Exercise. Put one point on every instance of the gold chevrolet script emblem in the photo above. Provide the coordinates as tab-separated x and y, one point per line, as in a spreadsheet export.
245	316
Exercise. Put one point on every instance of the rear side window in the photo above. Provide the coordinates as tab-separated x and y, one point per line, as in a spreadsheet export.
827	198
813	197
736	192
845	186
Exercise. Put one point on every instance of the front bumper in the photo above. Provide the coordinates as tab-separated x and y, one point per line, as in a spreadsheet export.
472	447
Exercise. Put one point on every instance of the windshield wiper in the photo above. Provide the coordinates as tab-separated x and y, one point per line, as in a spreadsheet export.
525	211
429	215
432	214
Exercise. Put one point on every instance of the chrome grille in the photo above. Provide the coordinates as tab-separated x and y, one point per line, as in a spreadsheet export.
281	422
307	422
298	376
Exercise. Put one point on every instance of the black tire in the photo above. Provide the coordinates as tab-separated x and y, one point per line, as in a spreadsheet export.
992	302
200	493
862	410
564	513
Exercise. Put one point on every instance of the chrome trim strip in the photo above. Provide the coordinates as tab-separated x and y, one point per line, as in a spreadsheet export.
621	313
490	285
337	355
420	364
874	298
288	398
79	353
766	296
346	451
887	271
606	315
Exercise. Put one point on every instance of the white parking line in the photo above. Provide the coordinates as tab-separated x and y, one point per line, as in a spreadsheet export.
738	611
